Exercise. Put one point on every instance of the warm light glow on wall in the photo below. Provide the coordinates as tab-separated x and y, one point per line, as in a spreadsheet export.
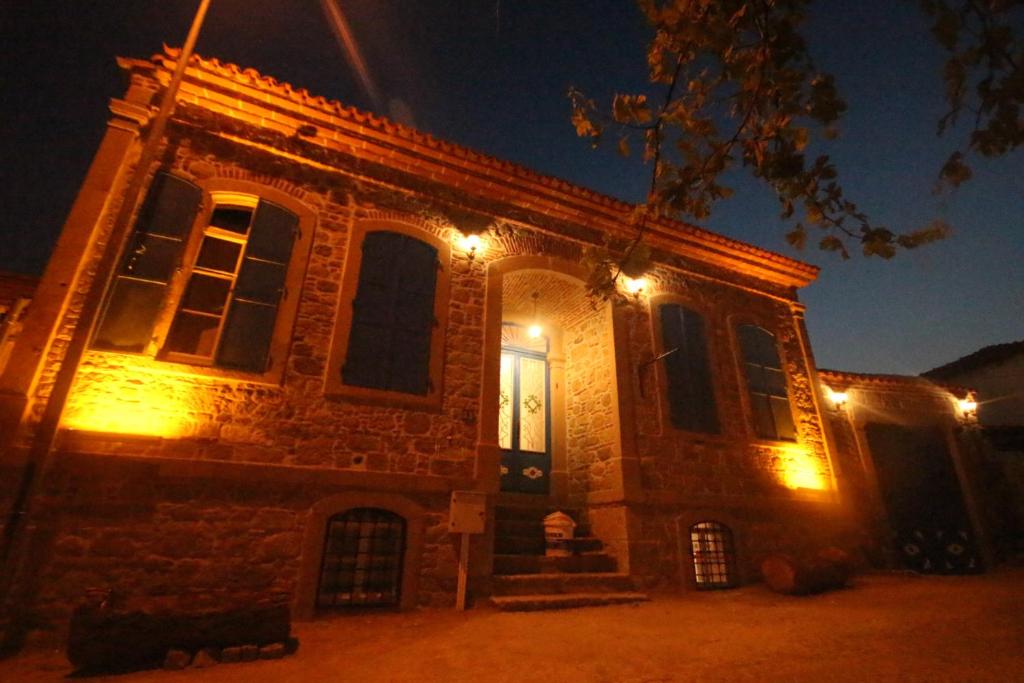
634	286
133	401
838	398
968	405
472	245
801	470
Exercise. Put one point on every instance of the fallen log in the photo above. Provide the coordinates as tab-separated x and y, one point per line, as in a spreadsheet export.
828	569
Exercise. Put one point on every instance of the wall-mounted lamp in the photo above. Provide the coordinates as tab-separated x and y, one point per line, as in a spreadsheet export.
838	398
472	244
968	405
634	286
535	330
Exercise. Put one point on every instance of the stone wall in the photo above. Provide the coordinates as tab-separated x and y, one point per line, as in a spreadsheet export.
592	442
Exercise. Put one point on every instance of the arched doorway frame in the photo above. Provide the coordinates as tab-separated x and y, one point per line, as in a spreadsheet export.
489	453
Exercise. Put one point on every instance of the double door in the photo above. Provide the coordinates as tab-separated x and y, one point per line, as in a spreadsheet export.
524	421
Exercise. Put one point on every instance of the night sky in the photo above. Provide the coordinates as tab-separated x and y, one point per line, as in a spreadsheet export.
492	75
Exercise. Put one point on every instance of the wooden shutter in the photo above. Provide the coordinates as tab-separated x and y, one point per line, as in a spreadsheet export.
766	382
392	315
691	395
249	328
151	258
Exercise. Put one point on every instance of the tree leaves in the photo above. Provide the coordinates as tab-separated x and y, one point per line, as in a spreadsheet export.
983	75
734	86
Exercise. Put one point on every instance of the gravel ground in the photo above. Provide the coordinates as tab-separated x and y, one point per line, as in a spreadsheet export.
883	628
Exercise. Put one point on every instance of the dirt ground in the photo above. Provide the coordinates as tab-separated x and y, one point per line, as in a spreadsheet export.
883	628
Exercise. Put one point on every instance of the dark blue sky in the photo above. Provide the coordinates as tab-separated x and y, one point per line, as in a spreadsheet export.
493	74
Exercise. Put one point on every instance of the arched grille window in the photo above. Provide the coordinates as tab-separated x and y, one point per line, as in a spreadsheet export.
714	558
362	564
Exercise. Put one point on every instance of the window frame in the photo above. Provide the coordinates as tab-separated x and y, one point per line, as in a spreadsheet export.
714	372
745	390
236	192
334	385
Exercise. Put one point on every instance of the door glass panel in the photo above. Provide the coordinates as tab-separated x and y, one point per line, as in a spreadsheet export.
505	394
532	409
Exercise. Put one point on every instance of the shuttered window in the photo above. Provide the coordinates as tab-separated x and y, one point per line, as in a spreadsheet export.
690	394
766	383
392	315
152	256
229	309
229	306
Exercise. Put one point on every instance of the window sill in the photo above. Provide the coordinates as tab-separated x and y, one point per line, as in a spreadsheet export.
383	397
181	368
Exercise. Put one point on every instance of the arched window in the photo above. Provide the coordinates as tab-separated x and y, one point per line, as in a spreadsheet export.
690	396
235	274
766	384
362	561
714	557
392	315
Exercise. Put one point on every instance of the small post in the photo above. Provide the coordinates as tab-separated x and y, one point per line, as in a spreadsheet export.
467	515
460	598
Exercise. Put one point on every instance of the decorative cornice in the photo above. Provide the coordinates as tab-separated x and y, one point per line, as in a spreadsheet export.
413	150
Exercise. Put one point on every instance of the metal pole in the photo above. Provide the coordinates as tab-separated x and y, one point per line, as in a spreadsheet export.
17	531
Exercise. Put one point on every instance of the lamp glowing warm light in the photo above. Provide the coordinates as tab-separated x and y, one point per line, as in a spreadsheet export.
968	405
472	245
635	286
838	398
535	331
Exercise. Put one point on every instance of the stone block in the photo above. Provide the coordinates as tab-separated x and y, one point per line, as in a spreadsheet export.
250	653
272	651
177	659
230	655
206	657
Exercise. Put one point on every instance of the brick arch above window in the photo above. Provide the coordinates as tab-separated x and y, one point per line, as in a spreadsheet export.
370	280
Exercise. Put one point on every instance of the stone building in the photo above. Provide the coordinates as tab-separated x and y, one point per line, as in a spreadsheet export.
324	323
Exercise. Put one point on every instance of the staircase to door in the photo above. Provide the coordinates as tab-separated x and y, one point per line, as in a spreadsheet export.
527	580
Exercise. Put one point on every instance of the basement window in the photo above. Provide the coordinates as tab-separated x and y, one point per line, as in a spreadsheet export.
714	557
362	561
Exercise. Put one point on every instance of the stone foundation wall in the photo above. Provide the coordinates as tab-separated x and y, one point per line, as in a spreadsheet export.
167	541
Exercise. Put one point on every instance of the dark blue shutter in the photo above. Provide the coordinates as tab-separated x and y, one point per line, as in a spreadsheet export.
766	383
153	254
249	328
392	315
691	395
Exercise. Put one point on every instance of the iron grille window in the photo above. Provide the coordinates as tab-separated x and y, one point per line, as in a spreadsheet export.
691	398
392	315
766	383
362	565
714	558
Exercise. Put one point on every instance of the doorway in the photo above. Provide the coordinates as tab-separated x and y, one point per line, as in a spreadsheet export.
923	499
524	410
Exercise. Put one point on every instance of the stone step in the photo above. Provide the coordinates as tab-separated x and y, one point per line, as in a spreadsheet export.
560	583
539	564
533	603
516	545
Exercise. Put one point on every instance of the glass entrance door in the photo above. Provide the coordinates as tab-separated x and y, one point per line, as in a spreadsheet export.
523	412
